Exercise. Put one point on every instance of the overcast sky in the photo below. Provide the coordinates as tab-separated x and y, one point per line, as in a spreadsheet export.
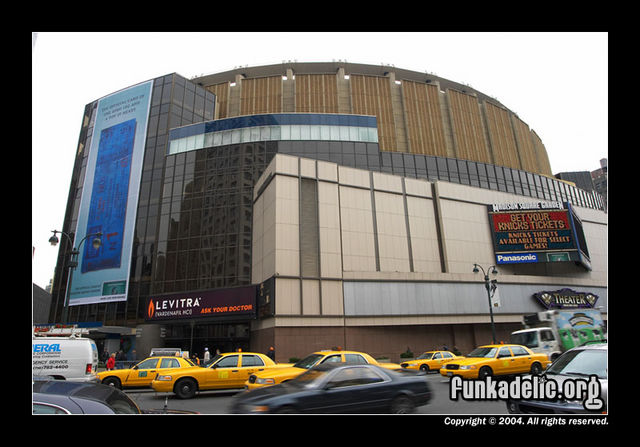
556	82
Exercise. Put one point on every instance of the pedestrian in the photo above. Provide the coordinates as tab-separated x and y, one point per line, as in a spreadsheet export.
207	355
120	359
111	363
271	353
195	359
456	351
105	355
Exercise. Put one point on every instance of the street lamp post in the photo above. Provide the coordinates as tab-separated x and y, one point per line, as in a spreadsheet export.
73	262
491	286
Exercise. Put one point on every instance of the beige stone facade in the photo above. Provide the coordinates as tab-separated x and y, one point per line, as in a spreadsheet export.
387	262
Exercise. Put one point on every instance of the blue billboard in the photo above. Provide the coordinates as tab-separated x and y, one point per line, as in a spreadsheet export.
110	196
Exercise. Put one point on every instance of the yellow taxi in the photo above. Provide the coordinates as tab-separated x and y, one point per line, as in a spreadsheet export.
430	361
496	360
224	371
143	373
275	376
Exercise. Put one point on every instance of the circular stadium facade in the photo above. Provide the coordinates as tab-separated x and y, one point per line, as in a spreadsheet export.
417	113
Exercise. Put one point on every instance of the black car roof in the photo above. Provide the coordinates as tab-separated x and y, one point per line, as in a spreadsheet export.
79	389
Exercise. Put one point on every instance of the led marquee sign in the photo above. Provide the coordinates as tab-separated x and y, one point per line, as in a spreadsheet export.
534	232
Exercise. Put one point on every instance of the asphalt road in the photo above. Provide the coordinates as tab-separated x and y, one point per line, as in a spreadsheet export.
217	402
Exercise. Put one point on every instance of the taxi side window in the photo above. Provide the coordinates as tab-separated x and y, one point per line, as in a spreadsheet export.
355	358
169	363
437	355
230	361
148	364
446	355
504	352
519	350
251	360
332	359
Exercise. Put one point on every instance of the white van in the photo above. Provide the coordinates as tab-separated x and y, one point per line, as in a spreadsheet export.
66	358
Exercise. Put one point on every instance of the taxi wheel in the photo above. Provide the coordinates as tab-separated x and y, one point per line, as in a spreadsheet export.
425	369
484	372
112	381
536	369
185	388
402	405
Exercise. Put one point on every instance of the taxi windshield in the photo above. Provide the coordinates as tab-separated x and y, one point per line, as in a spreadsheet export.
308	361
483	352
425	356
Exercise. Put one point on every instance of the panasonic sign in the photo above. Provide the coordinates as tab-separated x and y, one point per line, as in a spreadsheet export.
517	259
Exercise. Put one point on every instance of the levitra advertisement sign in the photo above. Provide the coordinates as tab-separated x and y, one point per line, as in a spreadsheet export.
218	303
110	197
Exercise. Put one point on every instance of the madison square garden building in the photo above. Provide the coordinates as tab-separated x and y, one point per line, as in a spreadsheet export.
307	206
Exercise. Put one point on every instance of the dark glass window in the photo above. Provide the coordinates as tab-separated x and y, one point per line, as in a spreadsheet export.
421	166
463	172
178	95
432	168
452	167
409	165
386	166
397	163
508	178
443	173
482	175
500	178
491	176
473	174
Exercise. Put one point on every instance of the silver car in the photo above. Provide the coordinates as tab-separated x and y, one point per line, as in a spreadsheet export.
587	362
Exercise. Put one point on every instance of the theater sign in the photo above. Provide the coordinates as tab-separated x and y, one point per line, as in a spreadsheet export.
566	299
535	232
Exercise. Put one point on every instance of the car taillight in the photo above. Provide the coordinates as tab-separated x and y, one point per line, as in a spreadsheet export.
88	369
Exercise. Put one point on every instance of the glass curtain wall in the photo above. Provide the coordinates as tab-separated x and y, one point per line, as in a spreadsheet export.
175	102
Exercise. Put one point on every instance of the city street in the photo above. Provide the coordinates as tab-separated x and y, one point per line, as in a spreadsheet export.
217	402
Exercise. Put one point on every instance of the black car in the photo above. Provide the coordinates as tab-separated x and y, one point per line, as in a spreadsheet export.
584	362
65	397
339	388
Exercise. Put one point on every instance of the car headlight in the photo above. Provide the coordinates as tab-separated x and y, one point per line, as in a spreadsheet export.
468	366
265	381
163	378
